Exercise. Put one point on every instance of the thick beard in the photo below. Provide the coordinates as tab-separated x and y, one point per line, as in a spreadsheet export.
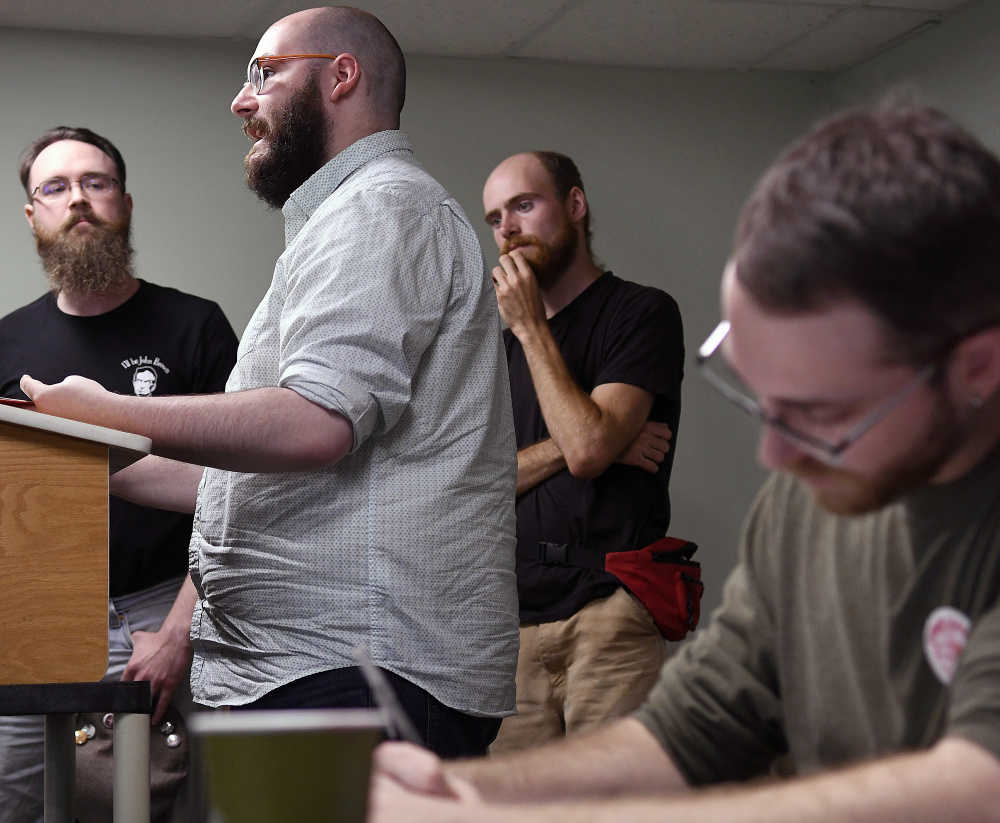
845	493
87	261
291	150
548	261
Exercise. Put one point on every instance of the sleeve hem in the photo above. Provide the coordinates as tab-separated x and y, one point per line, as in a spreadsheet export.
345	397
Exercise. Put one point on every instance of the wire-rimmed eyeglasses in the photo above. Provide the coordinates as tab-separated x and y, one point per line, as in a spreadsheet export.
94	186
255	71
709	362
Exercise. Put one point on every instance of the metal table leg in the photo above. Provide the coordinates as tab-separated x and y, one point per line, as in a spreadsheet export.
131	768
60	769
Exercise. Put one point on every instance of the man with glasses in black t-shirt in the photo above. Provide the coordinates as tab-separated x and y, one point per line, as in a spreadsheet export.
133	337
595	367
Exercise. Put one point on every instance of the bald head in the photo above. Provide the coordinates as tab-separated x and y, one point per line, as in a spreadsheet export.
564	177
340	29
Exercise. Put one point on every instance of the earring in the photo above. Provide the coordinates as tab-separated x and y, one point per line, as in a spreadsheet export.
976	401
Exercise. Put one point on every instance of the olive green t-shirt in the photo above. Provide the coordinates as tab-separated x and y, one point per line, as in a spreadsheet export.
818	650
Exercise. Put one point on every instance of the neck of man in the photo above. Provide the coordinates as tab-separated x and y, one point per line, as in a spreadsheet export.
571	283
346	134
91	304
983	436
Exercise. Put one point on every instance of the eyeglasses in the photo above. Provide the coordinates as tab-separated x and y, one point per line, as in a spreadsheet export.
255	70
713	369
93	187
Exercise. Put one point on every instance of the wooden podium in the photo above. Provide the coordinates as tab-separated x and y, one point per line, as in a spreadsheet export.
54	595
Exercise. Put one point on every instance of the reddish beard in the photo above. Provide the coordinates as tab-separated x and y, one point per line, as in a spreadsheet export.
548	261
94	259
845	492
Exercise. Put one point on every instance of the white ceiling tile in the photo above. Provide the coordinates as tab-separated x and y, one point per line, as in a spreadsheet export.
845	40
788	34
839	3
691	34
454	28
930	6
178	18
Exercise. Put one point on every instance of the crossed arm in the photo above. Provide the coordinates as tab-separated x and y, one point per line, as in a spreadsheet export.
618	404
620	773
588	432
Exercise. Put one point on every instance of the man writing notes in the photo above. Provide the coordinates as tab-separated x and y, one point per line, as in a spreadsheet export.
859	635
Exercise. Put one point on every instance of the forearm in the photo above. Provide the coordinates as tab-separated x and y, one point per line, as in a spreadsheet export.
163	657
178	621
590	430
159	483
955	781
621	758
262	430
536	463
575	422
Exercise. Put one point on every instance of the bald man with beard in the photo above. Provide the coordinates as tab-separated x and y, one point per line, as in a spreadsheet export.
360	477
595	365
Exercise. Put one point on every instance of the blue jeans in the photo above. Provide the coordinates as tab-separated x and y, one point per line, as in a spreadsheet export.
22	739
446	731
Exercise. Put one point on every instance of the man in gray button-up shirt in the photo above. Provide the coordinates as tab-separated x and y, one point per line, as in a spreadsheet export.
361	465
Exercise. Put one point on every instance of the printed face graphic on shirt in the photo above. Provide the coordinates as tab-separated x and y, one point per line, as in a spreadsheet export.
147	372
144	381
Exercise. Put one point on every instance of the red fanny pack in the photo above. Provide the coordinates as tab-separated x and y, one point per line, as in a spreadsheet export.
666	580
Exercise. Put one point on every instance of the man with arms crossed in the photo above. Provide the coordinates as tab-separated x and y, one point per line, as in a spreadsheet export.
132	337
361	474
591	358
860	632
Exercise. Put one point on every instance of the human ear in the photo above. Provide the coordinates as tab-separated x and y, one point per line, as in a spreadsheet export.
975	367
346	73
577	203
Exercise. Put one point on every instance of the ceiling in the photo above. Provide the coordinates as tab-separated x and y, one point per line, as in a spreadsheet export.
794	35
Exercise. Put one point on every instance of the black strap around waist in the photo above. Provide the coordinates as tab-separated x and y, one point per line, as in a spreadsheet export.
560	554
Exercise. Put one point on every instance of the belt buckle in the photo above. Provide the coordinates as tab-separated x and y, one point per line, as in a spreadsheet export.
553	553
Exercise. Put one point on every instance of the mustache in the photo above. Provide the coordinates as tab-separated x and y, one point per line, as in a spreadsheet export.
84	212
519	240
807	467
255	128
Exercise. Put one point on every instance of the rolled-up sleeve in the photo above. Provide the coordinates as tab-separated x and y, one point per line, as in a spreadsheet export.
366	289
716	708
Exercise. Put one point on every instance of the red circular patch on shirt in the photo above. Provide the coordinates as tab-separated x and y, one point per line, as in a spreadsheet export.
945	633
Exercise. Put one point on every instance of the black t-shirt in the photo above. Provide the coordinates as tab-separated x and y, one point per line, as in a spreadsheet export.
161	341
614	332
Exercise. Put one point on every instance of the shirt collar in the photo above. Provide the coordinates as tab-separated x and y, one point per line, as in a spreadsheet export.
307	198
933	507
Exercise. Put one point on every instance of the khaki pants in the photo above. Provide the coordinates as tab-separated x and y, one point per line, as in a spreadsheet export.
595	666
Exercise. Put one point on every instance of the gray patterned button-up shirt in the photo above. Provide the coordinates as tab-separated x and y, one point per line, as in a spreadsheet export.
381	309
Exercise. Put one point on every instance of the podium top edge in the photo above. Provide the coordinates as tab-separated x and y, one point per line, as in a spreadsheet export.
74	428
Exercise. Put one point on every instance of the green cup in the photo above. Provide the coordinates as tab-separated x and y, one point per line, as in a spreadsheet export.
294	766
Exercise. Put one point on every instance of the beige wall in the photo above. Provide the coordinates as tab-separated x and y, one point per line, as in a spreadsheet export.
667	159
165	104
955	66
667	156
